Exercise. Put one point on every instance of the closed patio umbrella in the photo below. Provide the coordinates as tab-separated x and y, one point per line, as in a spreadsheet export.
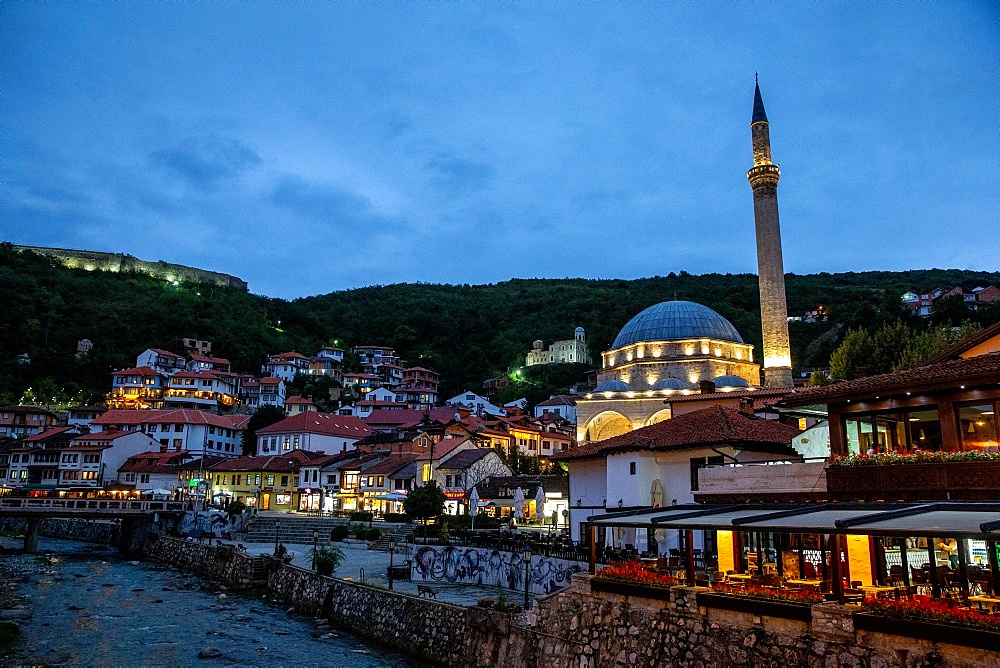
540	503
519	503
474	506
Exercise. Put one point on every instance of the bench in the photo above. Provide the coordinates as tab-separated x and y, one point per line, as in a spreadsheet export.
429	592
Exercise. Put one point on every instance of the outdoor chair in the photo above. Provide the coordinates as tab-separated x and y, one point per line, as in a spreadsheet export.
810	571
718	576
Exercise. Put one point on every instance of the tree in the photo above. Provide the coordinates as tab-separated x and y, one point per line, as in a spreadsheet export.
925	345
424	502
262	417
852	357
327	558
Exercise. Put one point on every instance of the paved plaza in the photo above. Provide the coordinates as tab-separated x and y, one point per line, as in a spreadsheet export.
372	565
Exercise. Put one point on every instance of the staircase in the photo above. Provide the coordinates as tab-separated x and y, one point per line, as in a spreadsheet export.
401	534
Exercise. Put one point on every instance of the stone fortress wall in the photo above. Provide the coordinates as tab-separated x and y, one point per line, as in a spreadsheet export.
115	262
575	627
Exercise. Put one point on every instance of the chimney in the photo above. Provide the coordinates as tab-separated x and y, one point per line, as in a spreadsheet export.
706	387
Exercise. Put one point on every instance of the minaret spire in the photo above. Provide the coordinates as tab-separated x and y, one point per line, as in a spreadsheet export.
763	178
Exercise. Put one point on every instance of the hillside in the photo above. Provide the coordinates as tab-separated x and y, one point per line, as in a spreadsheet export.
467	333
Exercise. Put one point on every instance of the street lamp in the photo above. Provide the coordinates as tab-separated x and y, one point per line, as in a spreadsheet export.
277	526
315	545
392	551
526	555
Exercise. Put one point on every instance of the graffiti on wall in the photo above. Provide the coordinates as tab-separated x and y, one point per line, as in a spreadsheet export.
485	566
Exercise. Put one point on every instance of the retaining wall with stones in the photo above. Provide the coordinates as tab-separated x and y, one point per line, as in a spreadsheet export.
104	532
576	627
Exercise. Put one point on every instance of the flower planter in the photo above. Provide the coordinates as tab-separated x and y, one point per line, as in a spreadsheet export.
629	589
943	633
756	606
916	481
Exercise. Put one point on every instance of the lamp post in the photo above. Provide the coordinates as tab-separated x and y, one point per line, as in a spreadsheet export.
392	551
315	545
277	526
526	555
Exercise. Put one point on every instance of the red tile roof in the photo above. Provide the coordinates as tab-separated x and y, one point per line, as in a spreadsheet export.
973	371
559	400
313	422
210	360
271	381
296	399
390	464
138	371
408	417
47	434
166	353
285	463
290	355
710	426
179	416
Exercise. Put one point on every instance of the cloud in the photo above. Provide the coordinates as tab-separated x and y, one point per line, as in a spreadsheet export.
205	163
457	177
318	201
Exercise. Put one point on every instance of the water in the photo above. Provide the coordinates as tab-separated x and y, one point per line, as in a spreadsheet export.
92	607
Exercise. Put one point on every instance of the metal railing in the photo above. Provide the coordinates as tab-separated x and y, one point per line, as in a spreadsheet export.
42	504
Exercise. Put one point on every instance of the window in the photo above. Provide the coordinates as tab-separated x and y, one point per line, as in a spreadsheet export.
916	429
631	468
331	479
447	481
287	443
178	443
284	481
144	478
381	480
978	427
256	479
270	480
295	442
178	427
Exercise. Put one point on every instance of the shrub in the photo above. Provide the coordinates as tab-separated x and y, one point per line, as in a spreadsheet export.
633	571
339	532
503	606
486	602
402	518
327	559
362	516
372	534
925	609
359	531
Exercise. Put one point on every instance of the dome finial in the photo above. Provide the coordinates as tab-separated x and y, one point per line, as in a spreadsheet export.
758	103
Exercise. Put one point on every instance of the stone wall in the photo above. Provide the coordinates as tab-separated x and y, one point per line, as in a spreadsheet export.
575	627
103	532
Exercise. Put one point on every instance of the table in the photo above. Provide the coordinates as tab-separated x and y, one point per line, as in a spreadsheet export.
805	583
742	577
990	602
875	590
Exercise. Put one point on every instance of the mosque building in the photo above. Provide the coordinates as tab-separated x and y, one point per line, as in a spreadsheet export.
679	348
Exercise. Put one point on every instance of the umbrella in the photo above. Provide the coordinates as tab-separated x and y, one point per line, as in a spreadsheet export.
519	503
391	496
656	493
540	503
474	506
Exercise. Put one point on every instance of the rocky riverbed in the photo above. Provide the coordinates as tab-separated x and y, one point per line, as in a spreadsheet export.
85	605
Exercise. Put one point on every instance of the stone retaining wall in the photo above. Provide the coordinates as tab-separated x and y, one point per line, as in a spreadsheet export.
103	532
575	627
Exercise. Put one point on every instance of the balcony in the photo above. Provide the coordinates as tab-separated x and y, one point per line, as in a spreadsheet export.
773	481
907	481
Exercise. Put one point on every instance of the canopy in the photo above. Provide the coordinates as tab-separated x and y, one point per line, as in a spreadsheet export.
540	502
474	502
391	496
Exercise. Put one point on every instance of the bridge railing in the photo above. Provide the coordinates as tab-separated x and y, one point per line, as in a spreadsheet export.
42	504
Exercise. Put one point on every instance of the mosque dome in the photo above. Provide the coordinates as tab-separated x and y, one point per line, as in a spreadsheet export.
674	320
671	384
730	381
614	386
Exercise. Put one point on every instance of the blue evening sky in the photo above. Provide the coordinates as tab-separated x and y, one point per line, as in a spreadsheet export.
314	146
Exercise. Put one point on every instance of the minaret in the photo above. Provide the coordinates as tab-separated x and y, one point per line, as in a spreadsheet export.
763	179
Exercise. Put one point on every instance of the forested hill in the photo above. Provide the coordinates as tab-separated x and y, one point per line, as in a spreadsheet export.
466	332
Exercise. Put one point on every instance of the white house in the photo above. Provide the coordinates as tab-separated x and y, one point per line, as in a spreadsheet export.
164	361
200	390
462	469
154	470
312	431
286	366
563	405
658	465
190	430
477	404
91	460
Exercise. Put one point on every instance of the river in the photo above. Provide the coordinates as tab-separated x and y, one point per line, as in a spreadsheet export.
92	607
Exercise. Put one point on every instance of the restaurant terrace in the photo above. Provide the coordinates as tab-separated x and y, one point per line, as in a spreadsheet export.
847	552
